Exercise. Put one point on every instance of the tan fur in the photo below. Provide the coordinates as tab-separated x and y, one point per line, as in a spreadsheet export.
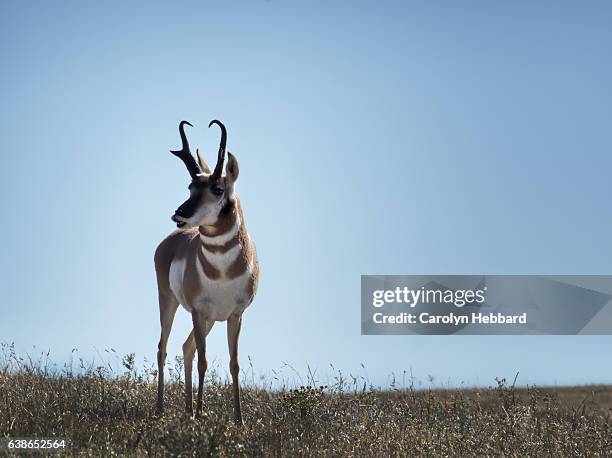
173	245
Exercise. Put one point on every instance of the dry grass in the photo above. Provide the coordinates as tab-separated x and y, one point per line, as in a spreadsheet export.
105	413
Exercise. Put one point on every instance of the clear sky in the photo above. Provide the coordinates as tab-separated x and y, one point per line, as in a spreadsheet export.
373	137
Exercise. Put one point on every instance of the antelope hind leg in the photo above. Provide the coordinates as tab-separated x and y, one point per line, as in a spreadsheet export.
189	350
199	331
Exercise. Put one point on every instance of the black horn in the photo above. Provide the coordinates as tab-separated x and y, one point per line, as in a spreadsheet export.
221	156
184	153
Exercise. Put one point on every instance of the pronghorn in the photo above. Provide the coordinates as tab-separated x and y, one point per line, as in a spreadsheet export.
208	265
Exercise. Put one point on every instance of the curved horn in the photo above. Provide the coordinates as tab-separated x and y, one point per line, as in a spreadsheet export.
221	156
184	153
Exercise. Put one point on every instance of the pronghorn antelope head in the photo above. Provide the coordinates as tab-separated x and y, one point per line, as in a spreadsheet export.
210	193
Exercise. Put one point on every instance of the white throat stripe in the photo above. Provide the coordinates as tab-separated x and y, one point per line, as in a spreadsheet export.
222	239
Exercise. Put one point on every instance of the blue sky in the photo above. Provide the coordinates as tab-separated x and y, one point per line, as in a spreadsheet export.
373	137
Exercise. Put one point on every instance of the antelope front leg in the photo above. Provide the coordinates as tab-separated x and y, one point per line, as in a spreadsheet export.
199	331
167	310
233	332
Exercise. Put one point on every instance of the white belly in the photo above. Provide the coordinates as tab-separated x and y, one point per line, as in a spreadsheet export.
219	298
222	298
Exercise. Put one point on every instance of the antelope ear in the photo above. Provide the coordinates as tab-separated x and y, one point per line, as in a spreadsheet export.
203	165
231	169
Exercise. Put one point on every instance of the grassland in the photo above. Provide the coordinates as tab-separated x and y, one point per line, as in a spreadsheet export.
107	413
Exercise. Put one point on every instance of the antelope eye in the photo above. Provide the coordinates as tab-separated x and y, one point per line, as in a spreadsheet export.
217	191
